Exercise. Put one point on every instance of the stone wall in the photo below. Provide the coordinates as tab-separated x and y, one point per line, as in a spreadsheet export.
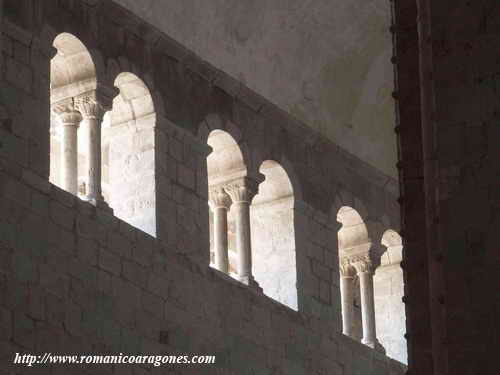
75	278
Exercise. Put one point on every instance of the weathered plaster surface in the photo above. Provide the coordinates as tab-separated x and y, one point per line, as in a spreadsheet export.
325	62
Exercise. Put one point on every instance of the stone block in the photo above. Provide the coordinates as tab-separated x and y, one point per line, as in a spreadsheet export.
36	181
316	252
142	251
14	148
152	304
62	196
40	203
135	273
176	149
158	285
52	280
88	251
325	291
24	331
321	271
7	45
24	267
119	244
21	53
18	74
61	215
108	261
16	191
5	324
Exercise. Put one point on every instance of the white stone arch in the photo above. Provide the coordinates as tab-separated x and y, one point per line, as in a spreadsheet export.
214	121
394	245
353	241
388	284
224	164
128	153
353	235
273	235
72	69
72	74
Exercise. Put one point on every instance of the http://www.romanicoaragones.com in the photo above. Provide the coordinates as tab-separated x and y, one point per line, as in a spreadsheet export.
30	360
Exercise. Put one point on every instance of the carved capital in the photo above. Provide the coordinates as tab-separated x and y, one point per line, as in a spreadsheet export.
66	113
346	269
219	198
362	263
241	190
89	107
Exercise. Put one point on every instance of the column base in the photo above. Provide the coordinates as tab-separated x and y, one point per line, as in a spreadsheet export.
250	281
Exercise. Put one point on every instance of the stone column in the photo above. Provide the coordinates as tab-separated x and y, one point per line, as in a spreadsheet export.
242	192
92	113
347	273
69	119
220	202
363	267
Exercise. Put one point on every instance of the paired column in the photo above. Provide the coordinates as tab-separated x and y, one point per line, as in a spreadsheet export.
242	192
70	112
220	202
92	113
364	267
347	274
69	119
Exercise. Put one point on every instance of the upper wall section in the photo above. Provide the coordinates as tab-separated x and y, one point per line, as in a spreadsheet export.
325	62
192	95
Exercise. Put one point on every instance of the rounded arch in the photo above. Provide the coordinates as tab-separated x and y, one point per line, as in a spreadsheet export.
117	68
276	186
134	101
226	160
72	69
353	235
394	244
286	172
214	122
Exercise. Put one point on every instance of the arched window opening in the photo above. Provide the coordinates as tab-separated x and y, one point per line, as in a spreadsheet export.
224	164
389	289
273	235
72	78
128	154
352	239
356	278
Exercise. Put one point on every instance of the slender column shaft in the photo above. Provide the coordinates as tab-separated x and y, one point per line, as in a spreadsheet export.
243	240
220	203
92	114
220	239
367	308
69	164
242	192
94	159
69	120
347	297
